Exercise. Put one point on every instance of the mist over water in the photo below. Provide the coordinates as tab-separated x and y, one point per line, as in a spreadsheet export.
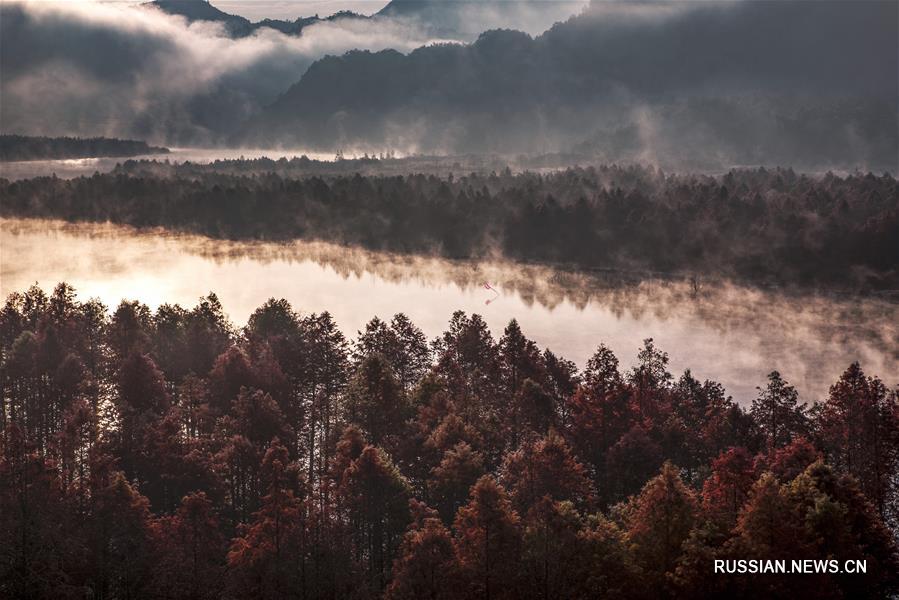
723	331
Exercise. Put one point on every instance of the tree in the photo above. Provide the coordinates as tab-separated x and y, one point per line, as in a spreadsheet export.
658	523
839	521
263	560
554	551
521	359
425	567
189	551
119	538
777	412
207	334
402	344
222	455
450	481
791	460
545	467
768	523
650	378
469	360
258	417
321	375
859	430
562	381
535	409
488	542
129	329
725	492
37	554
230	373
141	402
630	462
817	514
692	578
600	414
75	443
606	567
375	497
376	402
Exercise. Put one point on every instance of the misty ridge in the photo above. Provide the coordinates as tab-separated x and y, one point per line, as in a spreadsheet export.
690	86
763	226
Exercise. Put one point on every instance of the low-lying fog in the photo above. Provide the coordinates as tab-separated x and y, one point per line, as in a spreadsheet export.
721	331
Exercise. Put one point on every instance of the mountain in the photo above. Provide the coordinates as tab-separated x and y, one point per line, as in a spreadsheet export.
448	19
201	10
714	83
237	26
466	19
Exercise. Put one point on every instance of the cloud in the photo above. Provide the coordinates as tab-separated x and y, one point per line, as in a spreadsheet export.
86	68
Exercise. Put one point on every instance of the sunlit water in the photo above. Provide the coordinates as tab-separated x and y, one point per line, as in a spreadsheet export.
725	332
76	167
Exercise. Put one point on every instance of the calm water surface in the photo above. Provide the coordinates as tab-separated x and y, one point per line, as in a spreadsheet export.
729	333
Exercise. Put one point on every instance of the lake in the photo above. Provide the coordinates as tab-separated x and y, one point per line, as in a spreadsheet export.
731	333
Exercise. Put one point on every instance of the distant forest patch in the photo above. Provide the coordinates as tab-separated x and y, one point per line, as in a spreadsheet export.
762	225
23	147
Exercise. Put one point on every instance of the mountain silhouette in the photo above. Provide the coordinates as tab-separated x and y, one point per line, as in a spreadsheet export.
718	79
237	26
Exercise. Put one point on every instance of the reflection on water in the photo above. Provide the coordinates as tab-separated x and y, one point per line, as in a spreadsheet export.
76	167
726	332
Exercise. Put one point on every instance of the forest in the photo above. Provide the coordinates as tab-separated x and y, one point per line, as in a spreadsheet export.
23	147
172	454
766	226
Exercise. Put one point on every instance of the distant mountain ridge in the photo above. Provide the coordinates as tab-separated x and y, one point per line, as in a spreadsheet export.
237	26
623	89
452	19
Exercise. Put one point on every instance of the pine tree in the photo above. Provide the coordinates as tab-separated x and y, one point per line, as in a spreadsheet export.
375	497
554	552
488	542
425	568
189	551
545	467
778	413
726	490
450	481
659	522
376	402
859	430
263	560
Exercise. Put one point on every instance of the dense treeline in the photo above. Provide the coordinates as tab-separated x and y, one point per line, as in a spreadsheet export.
303	166
169	454
23	147
380	163
761	225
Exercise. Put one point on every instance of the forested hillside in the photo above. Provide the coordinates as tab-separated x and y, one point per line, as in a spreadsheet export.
169	454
